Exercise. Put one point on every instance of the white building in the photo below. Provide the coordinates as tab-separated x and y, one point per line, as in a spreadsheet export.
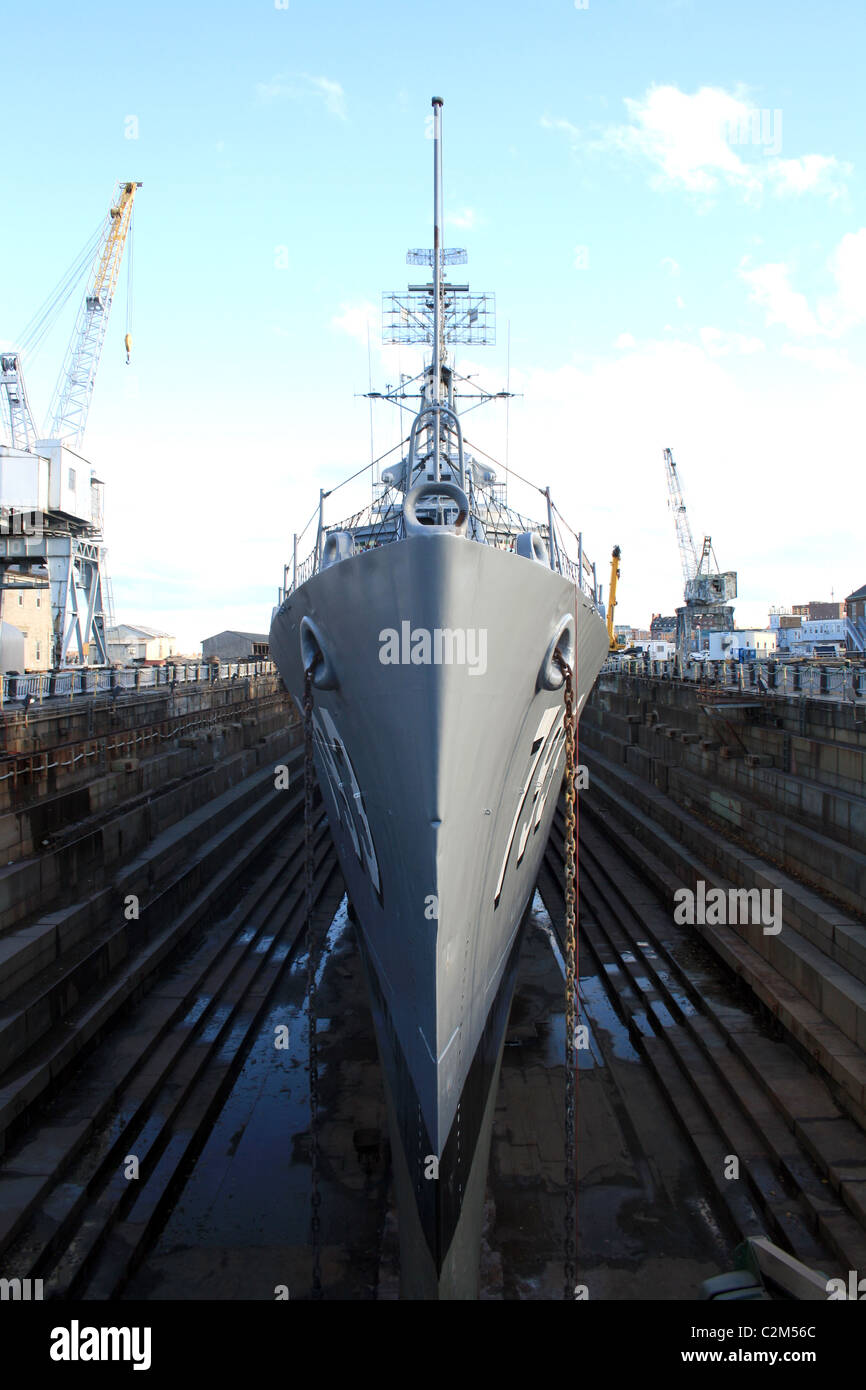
817	632
657	649
742	644
131	642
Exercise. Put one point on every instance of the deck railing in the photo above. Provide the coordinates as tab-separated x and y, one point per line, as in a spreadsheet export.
491	522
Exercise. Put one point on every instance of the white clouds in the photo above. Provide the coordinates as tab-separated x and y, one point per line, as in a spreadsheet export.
688	141
672	266
811	173
770	288
823	359
465	219
724	420
718	343
834	314
557	123
683	138
848	265
301	86
356	320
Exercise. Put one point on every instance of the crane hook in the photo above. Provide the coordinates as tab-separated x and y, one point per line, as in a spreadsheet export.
127	342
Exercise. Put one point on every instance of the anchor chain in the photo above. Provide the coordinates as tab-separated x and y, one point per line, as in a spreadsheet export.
570	972
312	962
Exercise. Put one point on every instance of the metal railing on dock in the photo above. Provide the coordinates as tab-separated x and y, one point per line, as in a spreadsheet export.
45	685
787	679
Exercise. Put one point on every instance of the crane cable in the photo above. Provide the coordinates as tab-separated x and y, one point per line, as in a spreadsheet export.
127	340
31	337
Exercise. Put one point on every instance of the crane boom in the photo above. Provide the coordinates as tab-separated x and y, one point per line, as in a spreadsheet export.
676	502
611	597
22	431
74	390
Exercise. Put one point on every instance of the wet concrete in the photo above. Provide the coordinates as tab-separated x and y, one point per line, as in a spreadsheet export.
241	1227
646	1228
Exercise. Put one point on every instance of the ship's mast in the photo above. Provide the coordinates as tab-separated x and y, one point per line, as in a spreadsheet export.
435	315
437	276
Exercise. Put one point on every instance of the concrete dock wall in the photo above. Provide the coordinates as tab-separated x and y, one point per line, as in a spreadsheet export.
754	793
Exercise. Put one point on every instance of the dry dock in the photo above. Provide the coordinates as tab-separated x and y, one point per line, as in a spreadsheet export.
152	1007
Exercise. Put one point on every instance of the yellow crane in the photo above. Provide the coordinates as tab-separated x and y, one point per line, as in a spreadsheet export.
613	645
74	389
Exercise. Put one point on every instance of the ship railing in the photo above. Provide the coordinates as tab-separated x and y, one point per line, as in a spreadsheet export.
491	522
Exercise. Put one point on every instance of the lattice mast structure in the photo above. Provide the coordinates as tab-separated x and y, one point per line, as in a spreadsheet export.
676	502
438	314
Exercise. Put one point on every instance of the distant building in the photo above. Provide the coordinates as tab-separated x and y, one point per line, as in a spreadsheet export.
656	650
825	610
25	604
128	642
855	604
663	628
784	622
236	646
817	633
742	644
784	618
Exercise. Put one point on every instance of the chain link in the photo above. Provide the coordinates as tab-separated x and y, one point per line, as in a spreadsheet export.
570	972
312	962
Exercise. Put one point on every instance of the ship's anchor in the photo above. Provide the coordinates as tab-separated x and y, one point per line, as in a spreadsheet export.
570	973
312	963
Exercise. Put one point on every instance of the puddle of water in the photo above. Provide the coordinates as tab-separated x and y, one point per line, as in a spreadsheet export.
605	1018
215	1023
256	1147
197	1010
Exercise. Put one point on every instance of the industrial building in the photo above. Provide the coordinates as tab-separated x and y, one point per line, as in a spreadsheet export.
129	642
236	646
25	614
742	644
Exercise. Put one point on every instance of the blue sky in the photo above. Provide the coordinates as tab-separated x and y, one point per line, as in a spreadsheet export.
667	199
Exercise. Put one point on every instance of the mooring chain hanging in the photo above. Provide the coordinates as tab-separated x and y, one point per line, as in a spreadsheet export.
312	962
570	970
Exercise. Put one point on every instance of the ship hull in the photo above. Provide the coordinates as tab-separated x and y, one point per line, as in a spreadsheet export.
439	752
